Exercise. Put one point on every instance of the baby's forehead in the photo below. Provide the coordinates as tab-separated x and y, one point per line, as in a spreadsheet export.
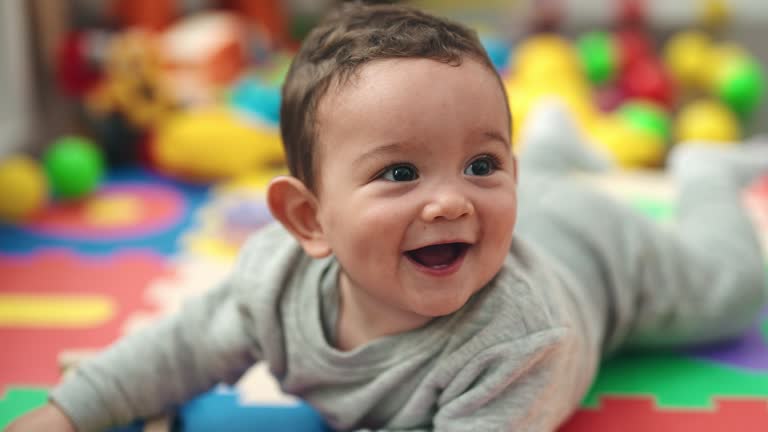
394	72
412	100
384	85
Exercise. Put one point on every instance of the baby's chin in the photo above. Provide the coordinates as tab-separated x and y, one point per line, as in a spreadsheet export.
443	307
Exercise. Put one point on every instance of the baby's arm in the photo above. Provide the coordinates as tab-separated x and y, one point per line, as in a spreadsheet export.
532	383
49	418
157	368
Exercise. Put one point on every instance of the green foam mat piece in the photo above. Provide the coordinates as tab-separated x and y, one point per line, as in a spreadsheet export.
674	380
17	401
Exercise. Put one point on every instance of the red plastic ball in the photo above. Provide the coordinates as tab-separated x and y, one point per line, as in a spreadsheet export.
649	80
633	46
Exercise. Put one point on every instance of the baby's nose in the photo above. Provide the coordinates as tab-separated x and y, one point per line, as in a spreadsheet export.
448	205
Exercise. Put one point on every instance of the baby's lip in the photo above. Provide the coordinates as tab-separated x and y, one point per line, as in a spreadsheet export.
462	242
438	259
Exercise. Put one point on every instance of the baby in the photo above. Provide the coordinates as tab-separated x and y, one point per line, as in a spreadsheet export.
393	294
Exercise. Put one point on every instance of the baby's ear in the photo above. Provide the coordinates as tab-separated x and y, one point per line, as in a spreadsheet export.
295	207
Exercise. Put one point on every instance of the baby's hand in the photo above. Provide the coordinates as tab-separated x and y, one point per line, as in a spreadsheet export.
48	418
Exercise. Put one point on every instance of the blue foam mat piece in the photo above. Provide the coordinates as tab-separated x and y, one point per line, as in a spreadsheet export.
221	410
18	240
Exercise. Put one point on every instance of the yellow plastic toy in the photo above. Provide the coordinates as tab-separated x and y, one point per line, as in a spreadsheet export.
23	188
545	58
215	144
574	94
686	57
718	58
134	83
714	14
707	121
630	147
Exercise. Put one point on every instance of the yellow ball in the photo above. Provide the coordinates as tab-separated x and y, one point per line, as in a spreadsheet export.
708	121
523	96
23	188
546	57
630	147
717	60
685	55
714	13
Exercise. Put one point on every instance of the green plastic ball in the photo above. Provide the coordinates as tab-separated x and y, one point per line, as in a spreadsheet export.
740	86
647	117
598	56
74	166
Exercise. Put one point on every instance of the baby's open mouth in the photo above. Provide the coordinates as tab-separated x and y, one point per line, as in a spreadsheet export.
438	256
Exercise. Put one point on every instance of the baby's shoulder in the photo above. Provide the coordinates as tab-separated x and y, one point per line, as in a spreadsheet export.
271	245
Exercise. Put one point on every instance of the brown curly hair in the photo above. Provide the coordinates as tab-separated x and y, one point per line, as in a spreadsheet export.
348	38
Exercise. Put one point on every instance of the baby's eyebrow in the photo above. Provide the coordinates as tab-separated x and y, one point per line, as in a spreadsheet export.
495	136
380	151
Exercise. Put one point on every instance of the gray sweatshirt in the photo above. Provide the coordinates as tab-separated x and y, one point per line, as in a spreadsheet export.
516	357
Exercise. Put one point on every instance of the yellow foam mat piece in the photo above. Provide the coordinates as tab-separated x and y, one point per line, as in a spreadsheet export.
20	310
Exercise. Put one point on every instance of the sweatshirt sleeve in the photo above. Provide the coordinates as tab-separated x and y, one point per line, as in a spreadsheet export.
530	384
162	365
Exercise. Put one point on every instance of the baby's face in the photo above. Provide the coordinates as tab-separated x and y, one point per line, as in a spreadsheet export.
416	184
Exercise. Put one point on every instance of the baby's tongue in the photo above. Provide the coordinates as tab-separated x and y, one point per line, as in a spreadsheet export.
435	256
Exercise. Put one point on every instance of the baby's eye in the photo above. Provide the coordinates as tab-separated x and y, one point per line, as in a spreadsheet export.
400	173
482	166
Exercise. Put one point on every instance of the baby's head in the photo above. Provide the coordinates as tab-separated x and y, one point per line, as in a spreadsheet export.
397	135
339	47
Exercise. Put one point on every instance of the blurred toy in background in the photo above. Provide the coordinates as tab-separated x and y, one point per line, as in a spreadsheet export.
723	70
203	54
132	98
215	144
648	80
635	100
715	14
686	57
544	65
707	121
498	51
255	97
134	83
637	134
547	16
599	56
74	166
79	60
171	64
152	15
23	188
267	18
632	14
72	169
739	82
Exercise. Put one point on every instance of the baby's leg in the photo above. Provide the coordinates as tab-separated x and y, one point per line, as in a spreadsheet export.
700	280
705	281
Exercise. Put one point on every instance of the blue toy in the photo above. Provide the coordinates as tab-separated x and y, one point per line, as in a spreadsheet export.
256	97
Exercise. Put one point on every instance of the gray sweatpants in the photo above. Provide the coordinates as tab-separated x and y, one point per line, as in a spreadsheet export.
699	280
